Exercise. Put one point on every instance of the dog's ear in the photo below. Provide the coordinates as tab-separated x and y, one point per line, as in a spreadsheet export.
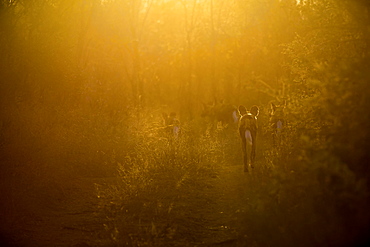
242	109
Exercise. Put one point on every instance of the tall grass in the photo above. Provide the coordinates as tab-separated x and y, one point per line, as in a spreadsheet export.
300	193
142	205
303	195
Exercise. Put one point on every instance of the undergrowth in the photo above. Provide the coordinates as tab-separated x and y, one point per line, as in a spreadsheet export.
303	195
300	194
142	206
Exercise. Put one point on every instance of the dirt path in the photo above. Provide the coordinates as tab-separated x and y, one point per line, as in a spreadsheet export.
231	200
207	216
225	206
53	217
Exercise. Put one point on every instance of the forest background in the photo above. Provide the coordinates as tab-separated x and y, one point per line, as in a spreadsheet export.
83	82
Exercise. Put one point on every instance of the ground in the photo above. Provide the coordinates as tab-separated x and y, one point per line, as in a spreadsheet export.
209	216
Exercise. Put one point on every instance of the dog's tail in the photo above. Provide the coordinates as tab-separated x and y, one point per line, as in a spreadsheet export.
176	131
235	116
279	127
248	137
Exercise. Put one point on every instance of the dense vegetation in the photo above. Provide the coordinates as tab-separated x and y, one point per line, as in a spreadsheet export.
84	84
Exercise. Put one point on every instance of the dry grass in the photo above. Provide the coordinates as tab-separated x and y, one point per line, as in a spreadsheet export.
156	183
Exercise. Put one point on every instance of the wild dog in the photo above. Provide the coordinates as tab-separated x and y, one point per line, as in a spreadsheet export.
171	125
277	122
220	114
247	128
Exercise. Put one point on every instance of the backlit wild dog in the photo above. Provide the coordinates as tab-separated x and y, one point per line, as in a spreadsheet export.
220	114
171	125
277	122
248	133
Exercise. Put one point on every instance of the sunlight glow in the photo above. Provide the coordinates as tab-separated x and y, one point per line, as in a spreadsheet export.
184	122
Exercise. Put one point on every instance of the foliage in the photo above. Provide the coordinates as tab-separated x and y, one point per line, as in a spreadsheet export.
142	204
84	82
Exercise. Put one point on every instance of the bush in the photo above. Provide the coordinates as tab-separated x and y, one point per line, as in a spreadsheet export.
151	180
